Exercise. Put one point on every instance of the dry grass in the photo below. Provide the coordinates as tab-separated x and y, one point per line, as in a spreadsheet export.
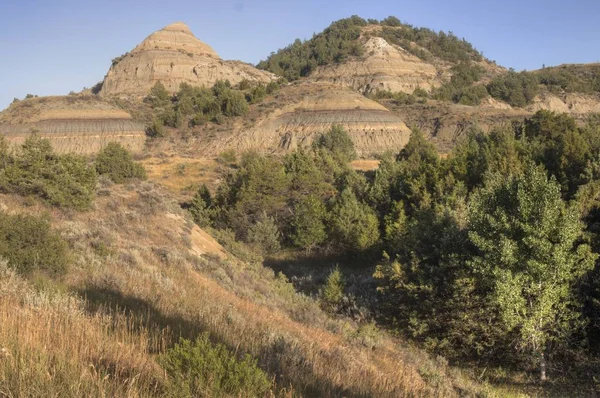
365	164
50	347
183	175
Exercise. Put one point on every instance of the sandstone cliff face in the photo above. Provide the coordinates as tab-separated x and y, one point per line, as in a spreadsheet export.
383	67
576	104
306	110
76	124
173	55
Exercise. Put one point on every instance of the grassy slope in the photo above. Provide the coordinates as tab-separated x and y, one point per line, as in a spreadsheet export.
139	281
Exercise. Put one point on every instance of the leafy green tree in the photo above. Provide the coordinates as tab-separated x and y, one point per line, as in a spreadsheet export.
354	225
234	104
529	254
419	174
260	185
391	21
158	96
479	153
308	223
306	177
516	89
156	128
116	162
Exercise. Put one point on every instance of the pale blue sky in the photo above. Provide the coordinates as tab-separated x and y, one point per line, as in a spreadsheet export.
55	46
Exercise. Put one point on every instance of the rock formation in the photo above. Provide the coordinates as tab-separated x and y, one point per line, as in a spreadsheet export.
576	104
173	55
383	67
76	124
305	110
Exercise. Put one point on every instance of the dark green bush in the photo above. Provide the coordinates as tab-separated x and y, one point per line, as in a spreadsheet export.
61	180
29	244
338	142
202	369
460	88
156	128
516	89
116	162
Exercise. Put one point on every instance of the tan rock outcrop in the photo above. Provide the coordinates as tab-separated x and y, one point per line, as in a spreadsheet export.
173	55
305	110
76	124
383	67
576	104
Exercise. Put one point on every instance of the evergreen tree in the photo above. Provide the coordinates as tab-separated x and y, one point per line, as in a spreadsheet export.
354	225
308	228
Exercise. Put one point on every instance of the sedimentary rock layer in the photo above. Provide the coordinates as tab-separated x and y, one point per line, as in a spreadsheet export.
383	67
173	55
73	124
304	111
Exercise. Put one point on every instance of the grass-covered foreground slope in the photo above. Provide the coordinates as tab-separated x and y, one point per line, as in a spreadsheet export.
141	276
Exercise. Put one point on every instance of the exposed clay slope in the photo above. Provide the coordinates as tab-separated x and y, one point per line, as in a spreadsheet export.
576	104
173	55
79	124
301	112
384	67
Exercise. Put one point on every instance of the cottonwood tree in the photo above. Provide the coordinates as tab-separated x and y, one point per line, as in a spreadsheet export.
529	253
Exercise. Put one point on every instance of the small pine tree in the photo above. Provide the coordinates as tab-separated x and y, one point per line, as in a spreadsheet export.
265	235
201	207
338	142
158	96
308	226
333	292
354	224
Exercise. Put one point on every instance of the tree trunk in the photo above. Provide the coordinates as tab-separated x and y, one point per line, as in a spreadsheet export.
543	367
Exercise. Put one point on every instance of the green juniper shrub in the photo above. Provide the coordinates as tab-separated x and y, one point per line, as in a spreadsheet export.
200	368
35	169
116	162
29	245
201	207
264	235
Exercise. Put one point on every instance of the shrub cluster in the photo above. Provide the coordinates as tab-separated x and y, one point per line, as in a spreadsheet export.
202	369
309	197
29	244
116	162
199	105
36	170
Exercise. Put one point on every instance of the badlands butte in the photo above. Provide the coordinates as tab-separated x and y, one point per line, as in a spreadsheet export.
378	80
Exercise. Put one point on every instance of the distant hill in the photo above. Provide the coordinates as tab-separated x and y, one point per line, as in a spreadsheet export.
173	55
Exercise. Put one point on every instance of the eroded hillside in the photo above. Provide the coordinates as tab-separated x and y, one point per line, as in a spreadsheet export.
76	123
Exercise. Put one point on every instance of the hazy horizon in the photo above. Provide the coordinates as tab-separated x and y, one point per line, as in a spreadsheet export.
67	45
